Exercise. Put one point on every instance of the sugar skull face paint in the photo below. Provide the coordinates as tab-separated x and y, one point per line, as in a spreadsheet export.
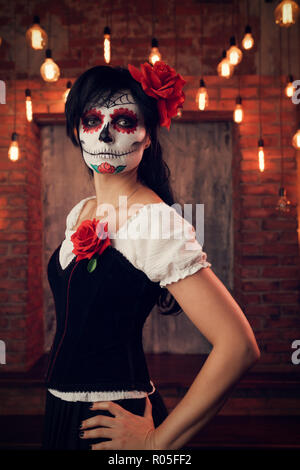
112	135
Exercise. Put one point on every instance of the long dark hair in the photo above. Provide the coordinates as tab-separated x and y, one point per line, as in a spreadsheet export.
98	84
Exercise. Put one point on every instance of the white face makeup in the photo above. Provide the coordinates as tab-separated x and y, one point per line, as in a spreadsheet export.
113	135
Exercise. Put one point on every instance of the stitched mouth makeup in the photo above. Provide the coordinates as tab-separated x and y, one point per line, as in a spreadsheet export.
110	154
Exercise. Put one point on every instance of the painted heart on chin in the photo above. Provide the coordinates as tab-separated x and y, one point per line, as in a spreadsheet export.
106	167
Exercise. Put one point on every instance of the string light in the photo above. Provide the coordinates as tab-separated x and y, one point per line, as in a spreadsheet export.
248	40
106	45
28	104
283	204
286	13
68	88
234	54
49	69
261	155
202	96
225	68
289	89
154	55
296	140
36	36
238	114
13	151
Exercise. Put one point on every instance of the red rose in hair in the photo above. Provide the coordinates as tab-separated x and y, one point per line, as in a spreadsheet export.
90	238
164	84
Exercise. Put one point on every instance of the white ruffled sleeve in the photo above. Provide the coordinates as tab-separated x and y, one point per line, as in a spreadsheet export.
166	248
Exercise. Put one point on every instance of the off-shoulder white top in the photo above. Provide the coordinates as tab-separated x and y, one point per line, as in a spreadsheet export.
156	240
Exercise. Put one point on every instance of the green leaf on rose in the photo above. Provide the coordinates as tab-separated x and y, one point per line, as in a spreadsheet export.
92	265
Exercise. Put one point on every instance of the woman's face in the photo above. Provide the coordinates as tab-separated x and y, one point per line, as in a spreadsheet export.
112	134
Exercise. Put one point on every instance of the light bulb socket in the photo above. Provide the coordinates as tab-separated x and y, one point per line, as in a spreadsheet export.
106	30
69	84
202	83
27	92
282	192
261	142
290	78
238	100
223	54
248	29
154	42
232	41
14	136
36	19
48	53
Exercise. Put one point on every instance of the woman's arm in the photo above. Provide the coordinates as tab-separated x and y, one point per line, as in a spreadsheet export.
209	305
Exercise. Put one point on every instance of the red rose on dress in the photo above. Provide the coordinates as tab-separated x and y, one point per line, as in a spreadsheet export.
90	238
164	84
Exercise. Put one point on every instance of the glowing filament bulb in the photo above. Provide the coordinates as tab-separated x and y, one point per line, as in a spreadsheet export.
28	104
49	69
234	54
65	95
225	69
13	151
283	204
289	89
296	140
106	45
261	155
286	13
248	41
202	96
155	55
36	37
238	114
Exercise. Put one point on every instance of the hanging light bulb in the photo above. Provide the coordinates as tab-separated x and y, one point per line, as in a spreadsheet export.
289	89
234	54
296	140
248	41
106	45
283	204
68	88
179	113
261	155
49	69
202	96
238	114
28	104
225	69
155	55
286	13
13	151
36	36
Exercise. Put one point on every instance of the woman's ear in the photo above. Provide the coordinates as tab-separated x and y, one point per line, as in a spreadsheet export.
148	142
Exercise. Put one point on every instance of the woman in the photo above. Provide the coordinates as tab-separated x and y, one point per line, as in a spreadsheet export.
110	270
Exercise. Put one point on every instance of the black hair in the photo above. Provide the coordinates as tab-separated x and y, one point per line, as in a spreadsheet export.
101	83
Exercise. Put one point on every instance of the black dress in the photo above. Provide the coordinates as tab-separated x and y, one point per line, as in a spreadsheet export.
99	322
62	420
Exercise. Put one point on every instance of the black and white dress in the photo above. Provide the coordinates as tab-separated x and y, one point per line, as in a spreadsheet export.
155	243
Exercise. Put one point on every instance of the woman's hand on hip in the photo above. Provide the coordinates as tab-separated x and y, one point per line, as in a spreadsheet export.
125	430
